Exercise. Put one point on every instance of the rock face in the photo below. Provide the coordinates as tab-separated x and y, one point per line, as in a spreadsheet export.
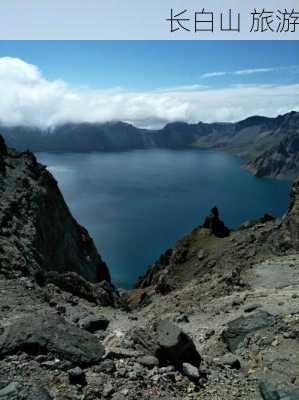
49	333
238	329
37	229
281	161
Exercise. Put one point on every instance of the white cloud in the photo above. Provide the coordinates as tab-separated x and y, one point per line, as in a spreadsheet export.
28	98
254	71
214	74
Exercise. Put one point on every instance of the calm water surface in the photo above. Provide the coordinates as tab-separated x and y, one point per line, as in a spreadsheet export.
137	204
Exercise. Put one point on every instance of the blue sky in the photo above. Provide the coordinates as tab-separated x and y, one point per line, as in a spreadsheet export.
146	83
158	64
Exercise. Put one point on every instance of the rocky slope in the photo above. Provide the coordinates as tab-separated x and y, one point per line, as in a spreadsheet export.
238	297
281	161
37	228
215	318
248	138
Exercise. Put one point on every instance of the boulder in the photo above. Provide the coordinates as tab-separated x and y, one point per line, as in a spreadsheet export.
92	323
269	393
175	346
40	394
107	390
9	389
77	376
228	360
168	343
239	328
106	366
50	333
148	361
191	372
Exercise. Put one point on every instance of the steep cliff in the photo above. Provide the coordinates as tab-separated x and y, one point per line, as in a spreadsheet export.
281	161
37	230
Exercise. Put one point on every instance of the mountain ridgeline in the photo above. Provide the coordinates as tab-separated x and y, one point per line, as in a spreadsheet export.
269	145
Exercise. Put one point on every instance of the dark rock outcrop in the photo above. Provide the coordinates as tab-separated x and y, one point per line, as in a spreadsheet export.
175	346
37	230
238	329
281	160
215	225
47	332
168	343
269	393
3	148
92	323
101	293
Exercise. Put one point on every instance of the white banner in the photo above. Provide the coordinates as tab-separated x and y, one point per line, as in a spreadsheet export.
149	19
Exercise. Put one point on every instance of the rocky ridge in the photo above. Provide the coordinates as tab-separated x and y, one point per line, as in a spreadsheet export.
257	139
281	161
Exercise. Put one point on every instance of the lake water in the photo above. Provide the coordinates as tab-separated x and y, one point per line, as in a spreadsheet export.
137	204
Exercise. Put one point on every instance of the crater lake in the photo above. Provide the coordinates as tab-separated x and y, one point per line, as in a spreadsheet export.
137	204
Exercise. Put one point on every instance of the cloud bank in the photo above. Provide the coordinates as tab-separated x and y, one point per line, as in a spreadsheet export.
28	98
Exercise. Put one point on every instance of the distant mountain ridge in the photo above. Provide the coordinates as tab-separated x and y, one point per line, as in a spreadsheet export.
251	138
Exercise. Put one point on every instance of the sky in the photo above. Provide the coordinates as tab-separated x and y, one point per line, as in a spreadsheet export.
147	83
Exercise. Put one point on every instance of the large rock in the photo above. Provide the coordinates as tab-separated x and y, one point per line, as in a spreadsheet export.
238	329
93	323
10	389
102	293
215	225
49	333
40	394
191	372
175	347
269	393
37	229
168	343
3	148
